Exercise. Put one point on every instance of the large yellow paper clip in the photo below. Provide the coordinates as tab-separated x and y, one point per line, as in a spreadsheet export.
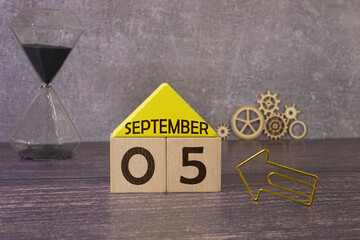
313	186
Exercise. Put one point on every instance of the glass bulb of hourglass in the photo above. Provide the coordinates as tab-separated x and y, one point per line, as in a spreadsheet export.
47	37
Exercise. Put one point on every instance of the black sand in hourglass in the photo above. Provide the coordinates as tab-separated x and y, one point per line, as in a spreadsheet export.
47	60
47	37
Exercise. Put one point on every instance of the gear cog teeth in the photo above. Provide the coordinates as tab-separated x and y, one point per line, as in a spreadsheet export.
275	126
268	103
249	127
223	131
291	112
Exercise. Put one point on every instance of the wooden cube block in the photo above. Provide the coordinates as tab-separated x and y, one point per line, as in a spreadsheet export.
137	165
194	164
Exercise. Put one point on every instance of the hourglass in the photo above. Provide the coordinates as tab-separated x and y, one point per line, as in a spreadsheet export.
47	37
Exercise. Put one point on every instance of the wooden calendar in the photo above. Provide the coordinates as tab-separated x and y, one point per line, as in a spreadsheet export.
164	146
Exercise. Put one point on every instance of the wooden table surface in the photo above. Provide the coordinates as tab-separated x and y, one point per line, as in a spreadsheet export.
71	198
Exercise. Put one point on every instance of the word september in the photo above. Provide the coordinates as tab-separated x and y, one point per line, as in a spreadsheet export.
166	126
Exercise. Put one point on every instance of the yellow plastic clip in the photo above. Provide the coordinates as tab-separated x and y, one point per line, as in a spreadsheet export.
313	186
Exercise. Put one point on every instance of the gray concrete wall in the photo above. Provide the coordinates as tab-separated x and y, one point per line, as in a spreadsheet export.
218	55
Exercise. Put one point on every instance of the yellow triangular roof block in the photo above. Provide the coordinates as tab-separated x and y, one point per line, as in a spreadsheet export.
164	114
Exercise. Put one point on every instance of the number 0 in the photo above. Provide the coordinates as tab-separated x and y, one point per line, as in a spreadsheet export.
199	165
125	165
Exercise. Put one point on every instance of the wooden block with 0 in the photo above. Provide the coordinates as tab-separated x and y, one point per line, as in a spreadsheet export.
137	165
194	164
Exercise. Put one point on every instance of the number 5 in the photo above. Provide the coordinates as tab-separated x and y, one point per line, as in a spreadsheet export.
199	165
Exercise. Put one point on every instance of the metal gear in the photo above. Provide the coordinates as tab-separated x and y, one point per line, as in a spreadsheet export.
268	103
291	112
223	131
276	126
250	121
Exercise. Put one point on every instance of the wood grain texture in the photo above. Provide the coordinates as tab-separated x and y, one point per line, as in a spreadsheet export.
193	164
71	198
137	165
